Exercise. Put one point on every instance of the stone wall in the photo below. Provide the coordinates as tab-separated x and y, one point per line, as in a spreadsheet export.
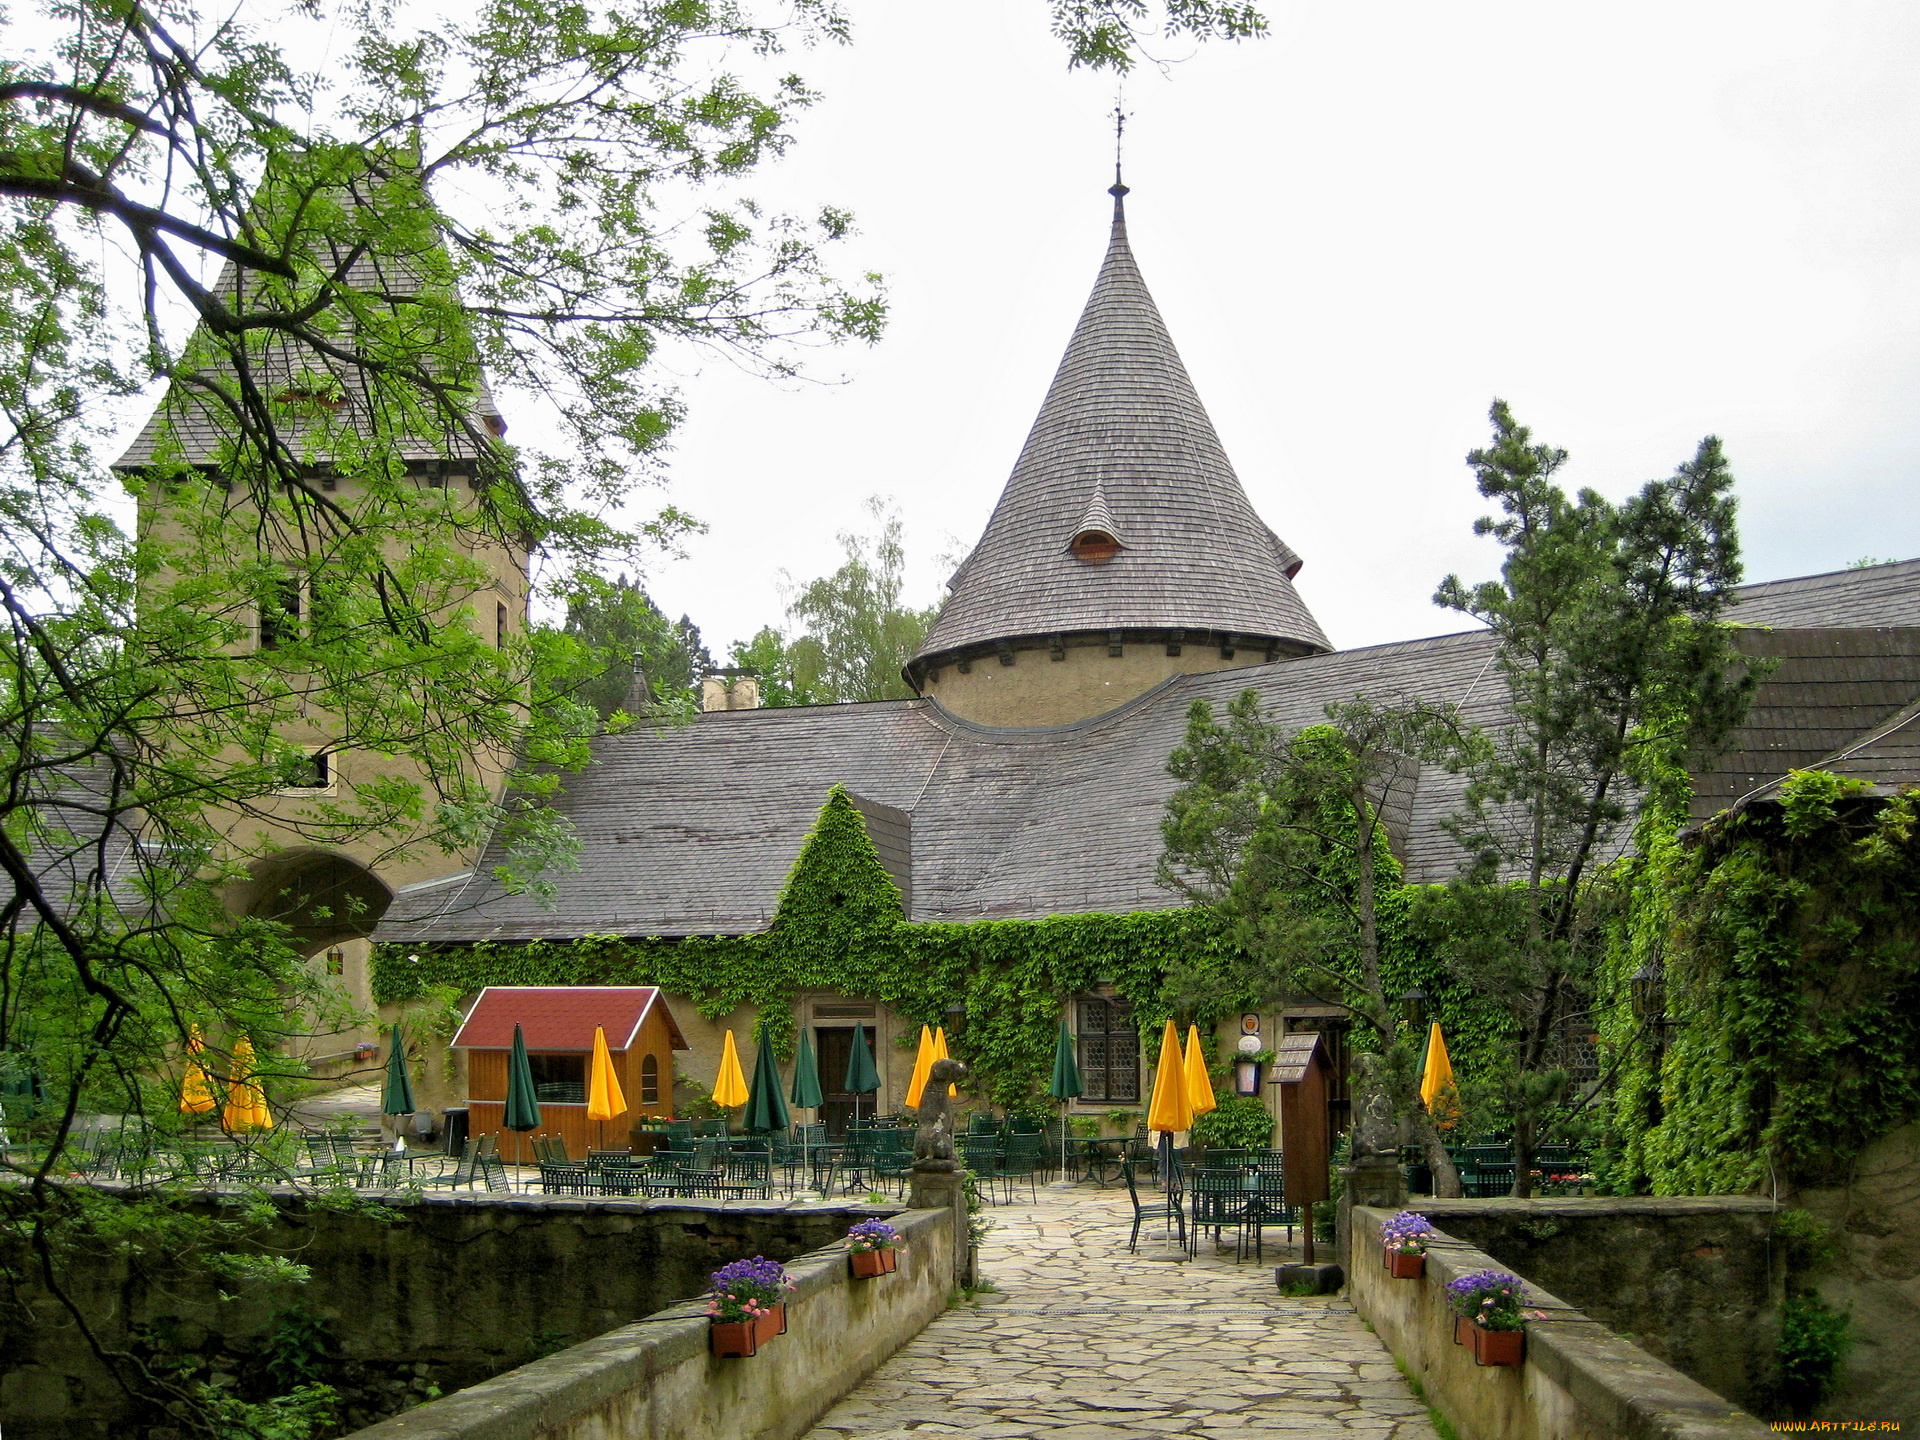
446	1292
656	1380
1579	1381
1696	1282
1875	1278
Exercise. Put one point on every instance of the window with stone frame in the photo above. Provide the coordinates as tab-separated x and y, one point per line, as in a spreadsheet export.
1109	1045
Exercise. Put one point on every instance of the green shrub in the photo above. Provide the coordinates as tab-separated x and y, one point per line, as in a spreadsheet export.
1239	1122
1813	1340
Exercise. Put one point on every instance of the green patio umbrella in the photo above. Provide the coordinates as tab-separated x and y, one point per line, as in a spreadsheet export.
1065	1084
766	1106
396	1095
806	1091
523	1110
862	1077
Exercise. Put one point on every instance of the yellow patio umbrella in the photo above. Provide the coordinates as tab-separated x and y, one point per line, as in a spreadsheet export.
730	1086
922	1063
604	1100
196	1090
1199	1085
1437	1090
246	1101
940	1052
1171	1109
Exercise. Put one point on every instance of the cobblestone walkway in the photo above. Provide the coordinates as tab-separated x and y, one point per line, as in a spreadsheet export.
1087	1342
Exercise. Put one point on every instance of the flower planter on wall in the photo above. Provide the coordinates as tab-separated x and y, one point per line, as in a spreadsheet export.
1497	1347
734	1337
1402	1266
869	1263
771	1323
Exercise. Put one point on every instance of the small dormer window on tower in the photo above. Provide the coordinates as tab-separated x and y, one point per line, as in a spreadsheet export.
1096	539
1095	547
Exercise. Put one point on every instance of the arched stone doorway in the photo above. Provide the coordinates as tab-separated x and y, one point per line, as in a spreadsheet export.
321	896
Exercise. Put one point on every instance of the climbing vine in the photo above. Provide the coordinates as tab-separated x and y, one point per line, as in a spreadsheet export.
839	928
1788	938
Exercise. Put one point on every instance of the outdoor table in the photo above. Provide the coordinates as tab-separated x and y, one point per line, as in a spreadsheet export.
1101	1161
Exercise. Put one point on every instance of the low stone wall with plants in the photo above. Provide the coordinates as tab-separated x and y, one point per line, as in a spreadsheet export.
406	1298
1577	1380
1695	1281
658	1380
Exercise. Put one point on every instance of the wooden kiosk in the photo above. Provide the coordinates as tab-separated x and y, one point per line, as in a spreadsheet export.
1300	1070
557	1022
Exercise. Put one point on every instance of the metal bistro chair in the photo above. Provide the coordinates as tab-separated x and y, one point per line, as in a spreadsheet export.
985	1156
1266	1205
750	1167
1021	1161
893	1159
1216	1201
1168	1211
559	1177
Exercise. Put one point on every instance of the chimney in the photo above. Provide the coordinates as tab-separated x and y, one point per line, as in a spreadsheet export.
729	690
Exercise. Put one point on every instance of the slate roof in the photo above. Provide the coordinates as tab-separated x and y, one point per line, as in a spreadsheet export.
200	429
1123	436
693	830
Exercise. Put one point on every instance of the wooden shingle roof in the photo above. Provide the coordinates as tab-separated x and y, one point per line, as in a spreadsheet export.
1123	436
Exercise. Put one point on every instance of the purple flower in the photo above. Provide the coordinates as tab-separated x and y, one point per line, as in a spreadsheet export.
746	1288
1489	1297
873	1235
1407	1233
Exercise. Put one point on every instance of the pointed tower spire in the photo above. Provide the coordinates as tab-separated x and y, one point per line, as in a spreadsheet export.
1121	435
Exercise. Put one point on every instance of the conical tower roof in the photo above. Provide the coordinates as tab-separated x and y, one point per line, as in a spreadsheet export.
1123	437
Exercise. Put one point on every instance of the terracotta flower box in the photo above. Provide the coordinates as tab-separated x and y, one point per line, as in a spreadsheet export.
1460	1327
1497	1347
734	1337
869	1263
772	1322
1402	1266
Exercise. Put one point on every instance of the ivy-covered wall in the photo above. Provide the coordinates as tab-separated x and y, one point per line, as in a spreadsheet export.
840	928
1788	937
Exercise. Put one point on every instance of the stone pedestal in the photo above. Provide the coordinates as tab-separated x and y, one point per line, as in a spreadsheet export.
1377	1183
1309	1279
937	1185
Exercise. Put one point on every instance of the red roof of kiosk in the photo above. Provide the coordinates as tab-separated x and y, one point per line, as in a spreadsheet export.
562	1017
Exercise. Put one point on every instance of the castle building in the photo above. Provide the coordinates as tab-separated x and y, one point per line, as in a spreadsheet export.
1122	576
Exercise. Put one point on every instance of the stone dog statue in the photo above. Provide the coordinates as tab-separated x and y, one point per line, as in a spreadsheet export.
933	1140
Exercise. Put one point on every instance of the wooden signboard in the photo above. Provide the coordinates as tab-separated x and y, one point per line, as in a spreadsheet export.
1301	1070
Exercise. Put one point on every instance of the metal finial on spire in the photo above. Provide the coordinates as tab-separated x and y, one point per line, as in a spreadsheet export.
1118	188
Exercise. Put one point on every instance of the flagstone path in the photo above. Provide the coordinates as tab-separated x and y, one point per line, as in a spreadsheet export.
1086	1342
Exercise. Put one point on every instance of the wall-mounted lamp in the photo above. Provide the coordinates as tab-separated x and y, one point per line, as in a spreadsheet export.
1413	1009
1247	1071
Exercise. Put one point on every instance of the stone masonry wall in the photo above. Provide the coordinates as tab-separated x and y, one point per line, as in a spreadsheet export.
1694	1282
448	1291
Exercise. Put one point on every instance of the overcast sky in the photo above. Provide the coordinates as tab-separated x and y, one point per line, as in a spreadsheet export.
1638	223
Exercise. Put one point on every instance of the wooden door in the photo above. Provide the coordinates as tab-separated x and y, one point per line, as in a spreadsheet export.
832	1046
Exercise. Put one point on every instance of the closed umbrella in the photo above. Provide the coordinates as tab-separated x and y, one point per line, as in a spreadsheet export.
246	1102
1170	1110
196	1090
1437	1090
922	1063
604	1099
940	1053
1065	1084
729	1086
1199	1085
766	1106
862	1077
396	1093
523	1106
806	1091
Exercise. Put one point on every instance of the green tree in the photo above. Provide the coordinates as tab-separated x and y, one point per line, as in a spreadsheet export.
856	636
1284	835
1619	667
643	665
